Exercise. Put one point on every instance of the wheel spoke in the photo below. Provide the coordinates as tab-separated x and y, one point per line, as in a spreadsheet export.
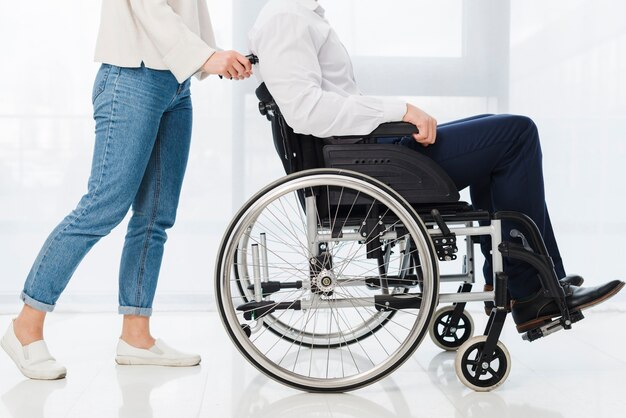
494	373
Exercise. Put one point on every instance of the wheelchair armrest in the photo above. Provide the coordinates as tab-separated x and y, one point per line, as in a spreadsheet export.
389	129
394	129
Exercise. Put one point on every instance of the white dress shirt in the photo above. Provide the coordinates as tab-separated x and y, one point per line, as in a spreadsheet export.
309	73
173	35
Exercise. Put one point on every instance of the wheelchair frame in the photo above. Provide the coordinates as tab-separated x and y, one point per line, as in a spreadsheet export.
435	211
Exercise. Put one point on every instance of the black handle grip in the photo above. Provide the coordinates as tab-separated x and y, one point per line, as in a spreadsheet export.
252	58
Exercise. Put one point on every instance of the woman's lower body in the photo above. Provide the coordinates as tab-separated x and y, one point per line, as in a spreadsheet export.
143	131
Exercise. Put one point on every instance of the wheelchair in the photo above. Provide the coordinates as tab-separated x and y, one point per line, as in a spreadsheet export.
327	280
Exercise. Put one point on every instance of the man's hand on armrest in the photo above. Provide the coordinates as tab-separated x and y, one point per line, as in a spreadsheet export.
426	125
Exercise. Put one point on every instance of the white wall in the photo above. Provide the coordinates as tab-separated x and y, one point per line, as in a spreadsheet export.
561	62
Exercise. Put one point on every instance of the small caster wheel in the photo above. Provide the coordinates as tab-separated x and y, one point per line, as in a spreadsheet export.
447	337
246	329
485	376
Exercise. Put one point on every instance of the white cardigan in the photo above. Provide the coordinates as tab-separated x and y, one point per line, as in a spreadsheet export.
174	35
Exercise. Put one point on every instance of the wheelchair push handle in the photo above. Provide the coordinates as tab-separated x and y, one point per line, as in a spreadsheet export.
252	58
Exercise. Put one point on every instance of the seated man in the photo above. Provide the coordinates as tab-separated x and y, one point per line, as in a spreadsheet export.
309	73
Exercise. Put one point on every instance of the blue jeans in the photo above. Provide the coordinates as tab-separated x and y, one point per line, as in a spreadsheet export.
499	158
143	132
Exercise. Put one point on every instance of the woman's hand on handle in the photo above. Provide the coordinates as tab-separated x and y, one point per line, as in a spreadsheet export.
426	125
229	64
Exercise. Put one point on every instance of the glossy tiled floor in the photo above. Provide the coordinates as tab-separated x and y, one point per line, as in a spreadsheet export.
579	373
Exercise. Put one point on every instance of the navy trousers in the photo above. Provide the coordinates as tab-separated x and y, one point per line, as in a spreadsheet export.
499	158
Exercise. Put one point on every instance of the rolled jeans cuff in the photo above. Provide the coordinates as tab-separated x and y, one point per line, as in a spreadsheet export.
35	304
133	310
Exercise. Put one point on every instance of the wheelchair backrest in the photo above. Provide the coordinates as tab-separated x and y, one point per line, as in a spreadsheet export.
297	152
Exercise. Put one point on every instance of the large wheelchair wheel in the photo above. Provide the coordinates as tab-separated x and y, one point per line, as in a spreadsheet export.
316	262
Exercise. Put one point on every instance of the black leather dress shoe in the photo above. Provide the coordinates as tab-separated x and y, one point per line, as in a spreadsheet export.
573	280
541	309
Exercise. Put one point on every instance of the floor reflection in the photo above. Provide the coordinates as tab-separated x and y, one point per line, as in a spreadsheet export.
137	383
260	399
28	398
472	404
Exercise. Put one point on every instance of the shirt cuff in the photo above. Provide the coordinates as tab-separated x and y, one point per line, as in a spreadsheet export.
393	110
187	57
201	75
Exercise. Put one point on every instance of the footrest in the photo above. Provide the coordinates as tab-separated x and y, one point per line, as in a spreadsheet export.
552	327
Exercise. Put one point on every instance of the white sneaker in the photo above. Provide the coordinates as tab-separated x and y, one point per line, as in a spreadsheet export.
160	354
33	360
